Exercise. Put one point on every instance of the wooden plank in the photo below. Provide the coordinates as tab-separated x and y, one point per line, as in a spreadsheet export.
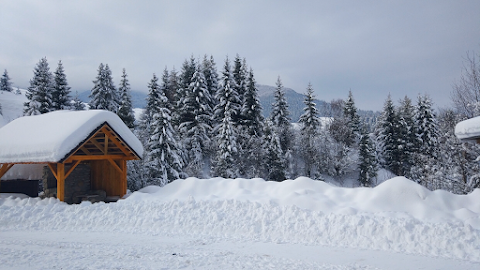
72	168
61	182
4	169
98	145
84	150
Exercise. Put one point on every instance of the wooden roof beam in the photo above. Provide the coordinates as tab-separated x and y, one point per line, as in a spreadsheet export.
97	157
4	169
116	141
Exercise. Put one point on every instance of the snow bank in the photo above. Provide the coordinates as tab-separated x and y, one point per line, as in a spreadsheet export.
397	197
468	129
50	137
398	215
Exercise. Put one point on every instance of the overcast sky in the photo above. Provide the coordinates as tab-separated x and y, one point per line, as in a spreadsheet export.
371	47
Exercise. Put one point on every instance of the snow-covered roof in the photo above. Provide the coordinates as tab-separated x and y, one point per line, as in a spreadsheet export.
468	129
50	137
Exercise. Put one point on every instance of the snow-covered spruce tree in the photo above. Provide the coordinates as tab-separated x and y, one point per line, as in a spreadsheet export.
138	172
240	79
427	126
209	70
388	138
226	160
151	108
407	129
274	160
77	104
426	165
186	75
280	118
367	159
310	125
164	158
5	83
251	108
252	129
104	95
125	110
173	85
39	93
196	127
61	99
351	113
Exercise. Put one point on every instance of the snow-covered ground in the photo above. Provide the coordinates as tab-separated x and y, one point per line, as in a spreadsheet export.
247	224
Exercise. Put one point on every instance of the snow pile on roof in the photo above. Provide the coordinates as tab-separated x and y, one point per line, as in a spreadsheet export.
50	137
468	129
398	215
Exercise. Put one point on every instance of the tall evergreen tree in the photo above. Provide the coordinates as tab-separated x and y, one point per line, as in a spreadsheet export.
426	164
310	125
251	130
104	94
164	159
186	75
351	113
197	125
427	131
226	130
251	109
408	139
367	159
226	94
280	118
5	83
209	69
240	86
151	108
125	110
39	93
274	161
61	99
388	136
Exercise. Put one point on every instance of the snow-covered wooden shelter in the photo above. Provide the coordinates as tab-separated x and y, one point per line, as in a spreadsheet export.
64	139
468	130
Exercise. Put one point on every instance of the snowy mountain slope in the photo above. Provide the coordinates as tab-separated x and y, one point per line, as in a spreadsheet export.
247	224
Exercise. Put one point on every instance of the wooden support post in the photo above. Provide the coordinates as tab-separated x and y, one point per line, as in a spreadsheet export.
61	182
124	178
105	151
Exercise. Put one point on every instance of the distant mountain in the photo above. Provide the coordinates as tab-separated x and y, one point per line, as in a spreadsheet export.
294	101
138	98
265	93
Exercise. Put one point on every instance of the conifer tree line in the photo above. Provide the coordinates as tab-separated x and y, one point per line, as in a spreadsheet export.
200	122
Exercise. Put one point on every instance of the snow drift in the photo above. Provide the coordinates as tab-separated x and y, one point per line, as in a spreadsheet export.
398	215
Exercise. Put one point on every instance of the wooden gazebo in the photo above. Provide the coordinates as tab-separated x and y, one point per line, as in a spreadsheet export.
64	139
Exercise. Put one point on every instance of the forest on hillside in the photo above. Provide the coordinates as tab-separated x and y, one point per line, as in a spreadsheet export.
202	123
